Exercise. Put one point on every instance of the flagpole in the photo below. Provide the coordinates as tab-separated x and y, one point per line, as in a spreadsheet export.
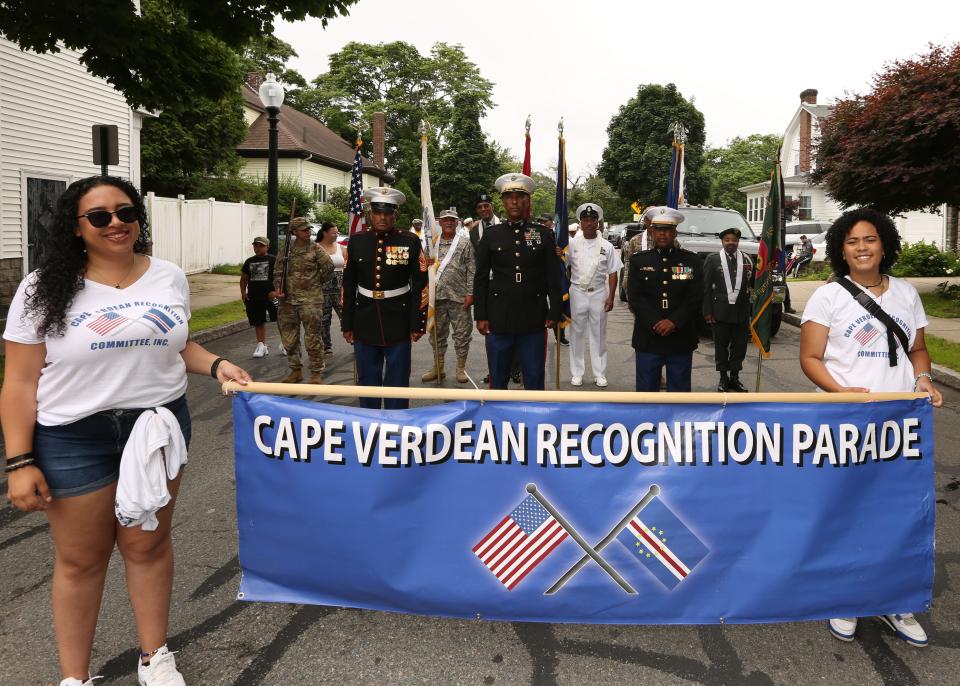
759	367
575	535
426	199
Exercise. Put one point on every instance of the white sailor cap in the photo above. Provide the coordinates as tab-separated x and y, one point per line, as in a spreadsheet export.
450	213
389	198
665	216
590	208
514	183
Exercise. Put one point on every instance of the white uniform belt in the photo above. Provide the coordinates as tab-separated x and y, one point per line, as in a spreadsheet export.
380	295
585	290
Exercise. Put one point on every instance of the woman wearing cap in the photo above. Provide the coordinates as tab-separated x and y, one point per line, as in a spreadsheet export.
94	336
843	346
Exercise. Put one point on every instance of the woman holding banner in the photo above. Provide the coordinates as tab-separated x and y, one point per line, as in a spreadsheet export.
863	332
96	336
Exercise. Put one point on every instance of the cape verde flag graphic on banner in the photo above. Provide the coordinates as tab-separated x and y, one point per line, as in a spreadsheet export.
519	542
662	543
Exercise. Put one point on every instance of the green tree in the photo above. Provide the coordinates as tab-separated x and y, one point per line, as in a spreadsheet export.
396	79
268	54
636	161
895	148
467	163
616	210
741	162
150	56
339	197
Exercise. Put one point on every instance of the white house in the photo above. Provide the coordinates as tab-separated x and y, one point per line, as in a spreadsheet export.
307	151
797	162
48	104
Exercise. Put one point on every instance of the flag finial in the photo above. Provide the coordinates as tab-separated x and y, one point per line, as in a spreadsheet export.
679	131
424	128
560	126
527	124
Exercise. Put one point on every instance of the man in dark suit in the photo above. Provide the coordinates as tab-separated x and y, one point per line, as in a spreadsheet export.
727	277
665	293
384	281
485	219
516	287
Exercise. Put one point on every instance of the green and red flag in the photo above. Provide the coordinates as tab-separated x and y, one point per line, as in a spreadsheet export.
768	259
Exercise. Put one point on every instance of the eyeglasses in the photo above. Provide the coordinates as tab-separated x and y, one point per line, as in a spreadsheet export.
102	218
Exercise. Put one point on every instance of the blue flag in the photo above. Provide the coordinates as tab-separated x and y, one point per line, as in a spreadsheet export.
676	189
561	225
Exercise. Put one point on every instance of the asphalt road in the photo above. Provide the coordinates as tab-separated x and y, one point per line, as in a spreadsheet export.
224	641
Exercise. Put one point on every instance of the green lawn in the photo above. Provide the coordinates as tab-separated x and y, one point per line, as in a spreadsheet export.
938	305
232	269
944	352
218	315
820	272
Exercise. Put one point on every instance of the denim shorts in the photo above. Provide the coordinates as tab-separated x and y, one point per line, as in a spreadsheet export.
84	456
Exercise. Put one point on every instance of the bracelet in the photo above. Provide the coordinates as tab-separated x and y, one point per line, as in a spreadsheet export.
920	376
216	365
15	458
25	462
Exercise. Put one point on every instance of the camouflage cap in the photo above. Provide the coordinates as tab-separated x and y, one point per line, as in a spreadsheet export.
261	240
299	223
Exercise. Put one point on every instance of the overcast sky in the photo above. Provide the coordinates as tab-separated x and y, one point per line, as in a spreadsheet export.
744	63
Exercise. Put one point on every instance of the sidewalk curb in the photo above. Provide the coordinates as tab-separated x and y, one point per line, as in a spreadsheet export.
942	375
216	332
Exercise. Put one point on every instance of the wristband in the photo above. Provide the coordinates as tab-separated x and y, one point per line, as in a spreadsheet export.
920	376
17	458
22	462
216	365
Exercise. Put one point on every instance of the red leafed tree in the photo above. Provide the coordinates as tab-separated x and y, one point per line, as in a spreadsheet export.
897	148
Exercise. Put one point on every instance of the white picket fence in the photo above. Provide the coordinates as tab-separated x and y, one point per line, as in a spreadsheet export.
199	234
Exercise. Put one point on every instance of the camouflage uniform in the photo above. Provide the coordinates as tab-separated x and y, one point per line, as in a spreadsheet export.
634	245
455	283
310	268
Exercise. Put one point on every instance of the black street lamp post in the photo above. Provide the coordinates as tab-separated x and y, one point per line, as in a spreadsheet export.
271	95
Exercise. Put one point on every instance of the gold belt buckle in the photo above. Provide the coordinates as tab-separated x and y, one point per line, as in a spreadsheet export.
664	304
378	295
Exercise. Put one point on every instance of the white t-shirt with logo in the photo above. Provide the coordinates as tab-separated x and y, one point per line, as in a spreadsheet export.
857	352
582	254
120	350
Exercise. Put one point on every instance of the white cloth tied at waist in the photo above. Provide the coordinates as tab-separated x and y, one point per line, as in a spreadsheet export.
155	451
393	293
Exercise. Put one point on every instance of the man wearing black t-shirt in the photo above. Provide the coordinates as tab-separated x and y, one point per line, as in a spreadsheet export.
256	281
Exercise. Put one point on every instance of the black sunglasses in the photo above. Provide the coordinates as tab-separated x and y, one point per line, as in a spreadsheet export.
102	218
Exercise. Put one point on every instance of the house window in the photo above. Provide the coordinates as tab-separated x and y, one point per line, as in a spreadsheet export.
752	213
320	192
763	206
805	211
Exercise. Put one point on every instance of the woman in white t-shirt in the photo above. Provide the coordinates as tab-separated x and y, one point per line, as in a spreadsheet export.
328	240
95	336
843	348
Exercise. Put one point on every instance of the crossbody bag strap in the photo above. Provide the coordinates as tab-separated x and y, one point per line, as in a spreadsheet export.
894	330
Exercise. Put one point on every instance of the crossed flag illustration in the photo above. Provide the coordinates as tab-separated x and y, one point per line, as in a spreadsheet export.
651	531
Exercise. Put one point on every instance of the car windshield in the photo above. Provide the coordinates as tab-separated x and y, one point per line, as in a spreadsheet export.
706	222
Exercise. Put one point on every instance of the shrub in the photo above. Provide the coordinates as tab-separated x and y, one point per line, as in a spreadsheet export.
328	213
924	259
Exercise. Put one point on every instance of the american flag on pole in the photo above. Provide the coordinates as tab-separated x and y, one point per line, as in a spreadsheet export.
355	211
662	543
519	542
866	334
429	227
106	323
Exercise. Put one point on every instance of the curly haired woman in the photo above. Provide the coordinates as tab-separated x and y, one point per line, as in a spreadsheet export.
95	336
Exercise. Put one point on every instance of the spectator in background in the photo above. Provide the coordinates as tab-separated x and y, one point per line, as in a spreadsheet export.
256	282
332	301
845	345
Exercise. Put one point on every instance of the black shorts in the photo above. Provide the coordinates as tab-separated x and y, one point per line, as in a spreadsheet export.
258	309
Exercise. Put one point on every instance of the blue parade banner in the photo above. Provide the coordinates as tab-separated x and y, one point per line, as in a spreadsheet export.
598	513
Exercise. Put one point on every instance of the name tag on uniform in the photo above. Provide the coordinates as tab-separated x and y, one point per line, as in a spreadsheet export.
648	269
398	254
682	273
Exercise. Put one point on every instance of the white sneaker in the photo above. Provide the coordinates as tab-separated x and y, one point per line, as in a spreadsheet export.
576	381
601	381
162	670
71	681
283	351
907	628
843	629
260	350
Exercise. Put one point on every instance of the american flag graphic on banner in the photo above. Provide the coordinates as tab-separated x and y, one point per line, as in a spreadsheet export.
106	323
662	543
355	210
866	334
519	542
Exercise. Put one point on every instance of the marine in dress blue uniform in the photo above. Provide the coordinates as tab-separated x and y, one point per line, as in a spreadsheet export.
384	298
665	292
516	287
